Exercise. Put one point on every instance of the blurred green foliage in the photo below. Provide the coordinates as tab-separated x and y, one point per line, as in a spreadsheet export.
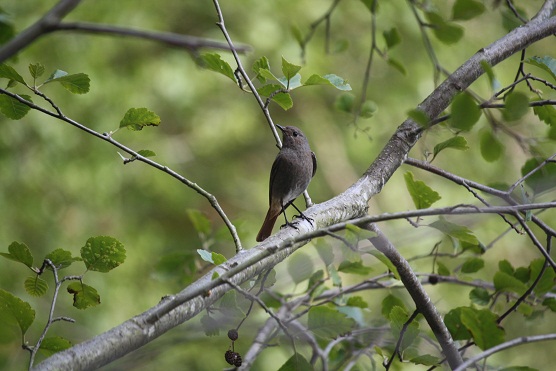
60	186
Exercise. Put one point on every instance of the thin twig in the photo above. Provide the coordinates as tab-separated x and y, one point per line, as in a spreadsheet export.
508	344
191	43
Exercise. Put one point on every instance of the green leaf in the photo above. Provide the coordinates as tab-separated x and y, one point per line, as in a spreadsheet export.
550	303
19	252
370	4
465	112
504	282
316	278
491	148
546	113
419	117
54	344
459	232
509	19
354	268
296	363
325	251
339	46
78	83
384	260
205	255
344	102
213	62
328	323
357	301
368	109
425	359
291	83
523	274
453	322
330	80
398	318
442	269
546	283
137	118
519	368
218	258
464	10
289	69
35	286
422	195
210	326
102	253
479	296
516	106
229	306
457	142
388	303
546	63
494	83
392	37
269	89
394	63
360	233
284	100
8	72
18	309
334	276
61	258
446	32
338	82
261	63
200	222
55	75
300	267
506	267
296	32
483	326
543	179
472	265
146	153
84	296
12	108
36	70
269	75
7	30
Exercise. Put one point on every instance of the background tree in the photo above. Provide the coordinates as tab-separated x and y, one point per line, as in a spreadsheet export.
481	143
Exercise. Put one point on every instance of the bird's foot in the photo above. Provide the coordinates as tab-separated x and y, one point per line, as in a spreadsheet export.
303	216
289	224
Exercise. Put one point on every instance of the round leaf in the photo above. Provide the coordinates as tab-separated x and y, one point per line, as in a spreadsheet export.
103	253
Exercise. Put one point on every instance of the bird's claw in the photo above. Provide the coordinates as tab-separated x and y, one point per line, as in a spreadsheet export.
302	216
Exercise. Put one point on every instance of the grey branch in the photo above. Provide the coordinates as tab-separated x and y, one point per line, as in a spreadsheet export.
52	22
508	344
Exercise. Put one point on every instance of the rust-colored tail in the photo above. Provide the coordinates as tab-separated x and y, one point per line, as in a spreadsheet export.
268	224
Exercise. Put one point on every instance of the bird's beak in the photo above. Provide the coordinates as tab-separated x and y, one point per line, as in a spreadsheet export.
280	127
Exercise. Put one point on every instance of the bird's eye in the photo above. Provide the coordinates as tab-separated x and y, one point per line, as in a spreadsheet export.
295	133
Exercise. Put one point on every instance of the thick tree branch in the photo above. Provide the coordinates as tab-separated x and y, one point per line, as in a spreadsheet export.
422	301
51	22
39	28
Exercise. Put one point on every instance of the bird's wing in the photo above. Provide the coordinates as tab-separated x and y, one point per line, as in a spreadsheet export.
314	163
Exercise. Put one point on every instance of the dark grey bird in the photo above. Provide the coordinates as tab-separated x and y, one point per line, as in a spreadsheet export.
291	173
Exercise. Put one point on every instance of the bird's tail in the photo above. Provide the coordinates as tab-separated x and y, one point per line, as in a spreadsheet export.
268	224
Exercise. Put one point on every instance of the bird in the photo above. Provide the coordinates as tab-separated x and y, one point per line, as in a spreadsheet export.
290	175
